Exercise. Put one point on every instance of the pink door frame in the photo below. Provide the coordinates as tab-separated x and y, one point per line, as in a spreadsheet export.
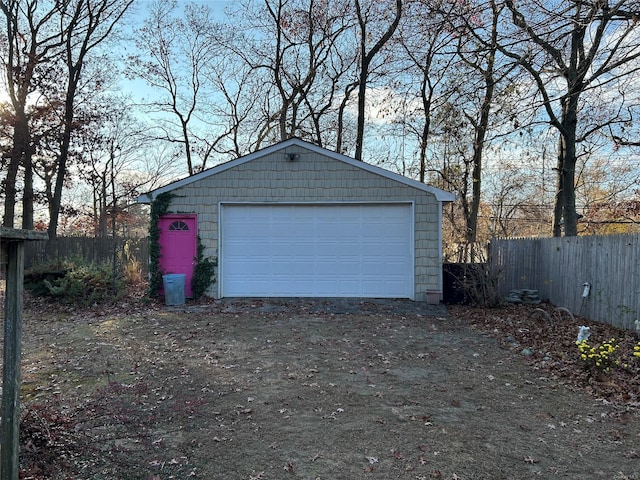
179	245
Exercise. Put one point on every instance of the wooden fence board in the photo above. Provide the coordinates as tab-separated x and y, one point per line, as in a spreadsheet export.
558	268
90	249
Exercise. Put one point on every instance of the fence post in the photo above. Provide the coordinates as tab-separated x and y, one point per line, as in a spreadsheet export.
13	242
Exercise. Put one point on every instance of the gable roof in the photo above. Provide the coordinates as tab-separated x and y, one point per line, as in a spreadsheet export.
441	195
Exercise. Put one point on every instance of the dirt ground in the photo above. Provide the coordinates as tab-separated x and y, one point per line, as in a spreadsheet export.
304	390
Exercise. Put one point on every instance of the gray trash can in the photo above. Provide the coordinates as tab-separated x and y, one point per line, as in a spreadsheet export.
174	288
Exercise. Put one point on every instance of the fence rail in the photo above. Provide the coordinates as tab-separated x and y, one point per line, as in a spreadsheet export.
559	267
91	249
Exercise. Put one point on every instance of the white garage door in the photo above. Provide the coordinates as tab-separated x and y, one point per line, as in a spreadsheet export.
317	251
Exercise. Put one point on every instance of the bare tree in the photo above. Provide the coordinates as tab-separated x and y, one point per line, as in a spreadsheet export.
88	24
515	203
452	45
626	130
31	40
427	40
117	164
569	49
482	60
235	105
176	48
296	48
368	15
49	43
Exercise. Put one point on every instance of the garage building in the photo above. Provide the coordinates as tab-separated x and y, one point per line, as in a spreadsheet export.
297	220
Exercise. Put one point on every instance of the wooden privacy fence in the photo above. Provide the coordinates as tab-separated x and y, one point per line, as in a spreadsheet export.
98	250
559	268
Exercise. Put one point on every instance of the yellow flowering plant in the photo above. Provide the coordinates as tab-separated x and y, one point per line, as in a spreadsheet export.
636	351
601	358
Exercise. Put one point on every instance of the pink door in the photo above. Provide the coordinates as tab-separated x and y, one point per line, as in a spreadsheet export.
178	246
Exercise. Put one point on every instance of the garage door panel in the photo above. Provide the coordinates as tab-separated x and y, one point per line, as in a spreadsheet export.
346	268
394	269
326	269
377	289
279	268
324	215
326	288
351	229
257	265
305	230
327	250
370	268
279	286
378	247
351	288
317	250
302	270
350	249
303	249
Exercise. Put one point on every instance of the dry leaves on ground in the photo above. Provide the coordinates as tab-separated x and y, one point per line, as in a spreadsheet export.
545	337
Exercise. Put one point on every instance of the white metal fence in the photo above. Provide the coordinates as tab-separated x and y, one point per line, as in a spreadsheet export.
560	267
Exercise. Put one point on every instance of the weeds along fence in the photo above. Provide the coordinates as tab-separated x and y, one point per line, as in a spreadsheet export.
561	268
97	250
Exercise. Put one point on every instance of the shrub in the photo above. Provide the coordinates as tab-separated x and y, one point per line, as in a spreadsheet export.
474	279
75	282
35	277
131	268
480	284
203	272
601	358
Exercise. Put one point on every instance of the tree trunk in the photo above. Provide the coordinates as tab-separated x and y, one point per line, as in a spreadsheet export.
480	134
343	105
362	89
364	67
10	191
187	144
18	152
478	149
103	227
56	202
565	213
423	151
569	212
362	85
476	174
426	94
27	194
557	205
